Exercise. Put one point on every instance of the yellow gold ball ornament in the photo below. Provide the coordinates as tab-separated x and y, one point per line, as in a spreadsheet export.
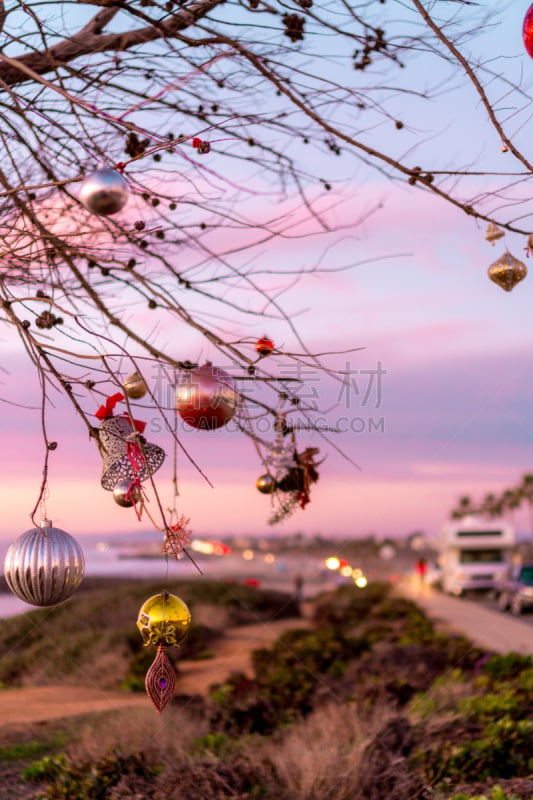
266	483
507	271
163	619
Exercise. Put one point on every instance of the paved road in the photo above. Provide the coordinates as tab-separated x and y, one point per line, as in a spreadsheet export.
484	626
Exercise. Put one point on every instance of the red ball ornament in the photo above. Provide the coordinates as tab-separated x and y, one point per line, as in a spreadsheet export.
527	31
264	346
206	397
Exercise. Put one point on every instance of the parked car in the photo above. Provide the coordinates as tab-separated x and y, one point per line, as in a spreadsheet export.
516	592
433	576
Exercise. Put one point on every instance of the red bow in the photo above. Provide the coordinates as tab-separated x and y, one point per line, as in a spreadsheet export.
138	424
107	411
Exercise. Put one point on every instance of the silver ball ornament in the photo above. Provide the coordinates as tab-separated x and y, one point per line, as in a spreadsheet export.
104	192
125	494
44	565
266	483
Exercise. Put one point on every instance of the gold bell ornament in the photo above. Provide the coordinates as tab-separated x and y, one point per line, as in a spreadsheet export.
126	455
507	271
134	386
493	233
163	621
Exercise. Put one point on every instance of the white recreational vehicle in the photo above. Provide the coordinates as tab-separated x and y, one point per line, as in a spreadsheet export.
475	554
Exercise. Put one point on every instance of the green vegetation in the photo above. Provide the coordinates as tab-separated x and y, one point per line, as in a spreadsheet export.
23	750
285	682
492	736
65	643
90	780
496	793
370	702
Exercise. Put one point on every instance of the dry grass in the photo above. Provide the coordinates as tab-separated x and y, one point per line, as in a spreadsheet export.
320	758
217	618
164	739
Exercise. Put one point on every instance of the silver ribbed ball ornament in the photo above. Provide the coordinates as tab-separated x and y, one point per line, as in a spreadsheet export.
44	565
104	192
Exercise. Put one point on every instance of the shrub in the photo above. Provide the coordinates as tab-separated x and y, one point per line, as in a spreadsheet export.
496	793
348	606
492	705
417	628
90	780
506	667
376	633
234	778
393	608
502	750
30	749
217	744
286	678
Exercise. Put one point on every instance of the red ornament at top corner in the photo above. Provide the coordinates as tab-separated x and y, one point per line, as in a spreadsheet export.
264	346
527	31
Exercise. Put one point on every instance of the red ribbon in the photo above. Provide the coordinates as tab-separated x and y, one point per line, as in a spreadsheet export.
136	457
130	494
107	410
303	499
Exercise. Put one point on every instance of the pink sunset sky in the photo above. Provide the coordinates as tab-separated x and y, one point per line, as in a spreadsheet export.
453	415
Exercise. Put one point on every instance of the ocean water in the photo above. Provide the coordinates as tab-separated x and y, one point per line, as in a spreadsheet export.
139	556
118	557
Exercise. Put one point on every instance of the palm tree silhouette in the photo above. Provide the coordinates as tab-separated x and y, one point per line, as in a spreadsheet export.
464	508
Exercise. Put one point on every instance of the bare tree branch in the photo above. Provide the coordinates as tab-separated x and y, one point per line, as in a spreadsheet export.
90	40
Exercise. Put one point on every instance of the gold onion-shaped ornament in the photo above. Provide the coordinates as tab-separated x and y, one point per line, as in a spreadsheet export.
493	233
163	620
44	565
507	271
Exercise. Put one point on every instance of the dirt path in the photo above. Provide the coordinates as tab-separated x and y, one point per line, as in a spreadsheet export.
232	654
